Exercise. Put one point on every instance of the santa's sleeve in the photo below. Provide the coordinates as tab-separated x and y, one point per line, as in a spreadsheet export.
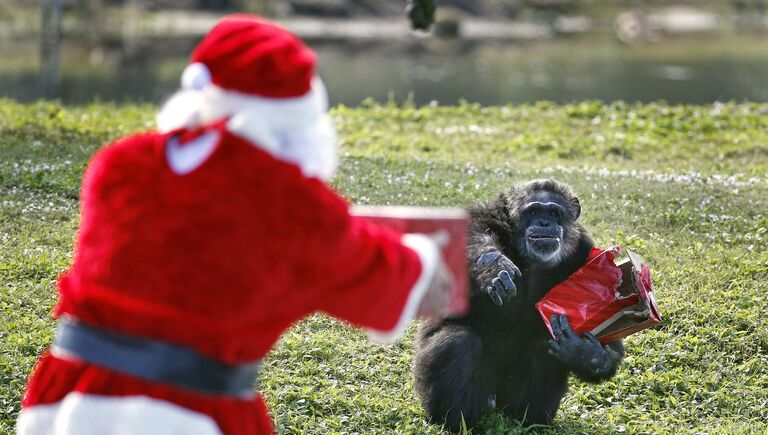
373	277
429	254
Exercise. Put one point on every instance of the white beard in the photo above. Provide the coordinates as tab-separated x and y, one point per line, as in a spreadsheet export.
296	130
552	257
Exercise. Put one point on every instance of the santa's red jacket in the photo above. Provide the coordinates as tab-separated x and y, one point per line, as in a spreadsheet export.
221	260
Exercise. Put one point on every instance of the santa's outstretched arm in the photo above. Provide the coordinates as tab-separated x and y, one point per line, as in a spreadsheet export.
379	279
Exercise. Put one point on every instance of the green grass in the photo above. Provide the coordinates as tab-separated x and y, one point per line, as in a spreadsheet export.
685	186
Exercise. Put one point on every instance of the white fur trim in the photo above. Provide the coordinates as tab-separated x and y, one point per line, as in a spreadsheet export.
184	159
429	255
296	130
90	414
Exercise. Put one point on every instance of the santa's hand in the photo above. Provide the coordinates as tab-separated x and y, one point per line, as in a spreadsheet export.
436	302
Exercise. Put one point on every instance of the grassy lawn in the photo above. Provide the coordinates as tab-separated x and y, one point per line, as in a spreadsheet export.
685	186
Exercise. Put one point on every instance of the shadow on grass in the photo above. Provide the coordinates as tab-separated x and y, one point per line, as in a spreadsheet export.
497	423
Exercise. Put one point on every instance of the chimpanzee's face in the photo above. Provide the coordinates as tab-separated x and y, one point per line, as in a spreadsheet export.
544	218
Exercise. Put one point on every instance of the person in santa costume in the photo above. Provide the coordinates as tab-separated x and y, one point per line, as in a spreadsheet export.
201	243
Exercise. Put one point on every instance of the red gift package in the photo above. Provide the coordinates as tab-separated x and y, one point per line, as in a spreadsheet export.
448	226
611	300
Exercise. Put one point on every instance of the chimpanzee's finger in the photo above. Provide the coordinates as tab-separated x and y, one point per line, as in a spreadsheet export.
556	328
499	286
591	338
566	327
508	283
515	271
488	258
494	296
554	347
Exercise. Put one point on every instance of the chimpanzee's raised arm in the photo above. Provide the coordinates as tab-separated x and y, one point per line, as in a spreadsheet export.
491	272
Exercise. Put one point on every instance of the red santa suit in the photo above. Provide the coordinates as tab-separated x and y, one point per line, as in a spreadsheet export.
210	238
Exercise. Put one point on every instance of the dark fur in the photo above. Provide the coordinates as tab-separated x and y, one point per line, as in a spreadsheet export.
500	353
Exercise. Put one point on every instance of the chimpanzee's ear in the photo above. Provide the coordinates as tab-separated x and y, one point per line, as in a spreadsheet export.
576	207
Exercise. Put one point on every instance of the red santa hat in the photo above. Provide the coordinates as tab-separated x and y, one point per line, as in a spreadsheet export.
261	78
255	56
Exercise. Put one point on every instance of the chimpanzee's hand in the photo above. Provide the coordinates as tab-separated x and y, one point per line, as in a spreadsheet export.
421	13
580	353
496	273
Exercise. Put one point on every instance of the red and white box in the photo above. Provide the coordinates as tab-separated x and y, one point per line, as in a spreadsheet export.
611	300
448	226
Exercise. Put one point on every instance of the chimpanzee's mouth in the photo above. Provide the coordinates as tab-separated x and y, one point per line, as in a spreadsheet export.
543	247
544	243
543	238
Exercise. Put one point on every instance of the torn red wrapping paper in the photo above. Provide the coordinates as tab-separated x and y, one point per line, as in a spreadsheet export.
448	226
609	300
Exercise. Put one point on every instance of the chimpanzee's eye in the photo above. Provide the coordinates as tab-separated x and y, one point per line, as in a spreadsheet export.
532	209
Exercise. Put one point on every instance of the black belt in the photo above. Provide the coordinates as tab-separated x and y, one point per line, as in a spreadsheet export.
154	360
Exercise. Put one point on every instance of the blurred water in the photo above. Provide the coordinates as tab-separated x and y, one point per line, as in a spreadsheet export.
700	70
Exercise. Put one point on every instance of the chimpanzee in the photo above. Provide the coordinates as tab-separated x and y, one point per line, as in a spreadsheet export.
500	354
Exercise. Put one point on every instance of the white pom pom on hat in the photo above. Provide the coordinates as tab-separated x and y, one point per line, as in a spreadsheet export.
196	77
